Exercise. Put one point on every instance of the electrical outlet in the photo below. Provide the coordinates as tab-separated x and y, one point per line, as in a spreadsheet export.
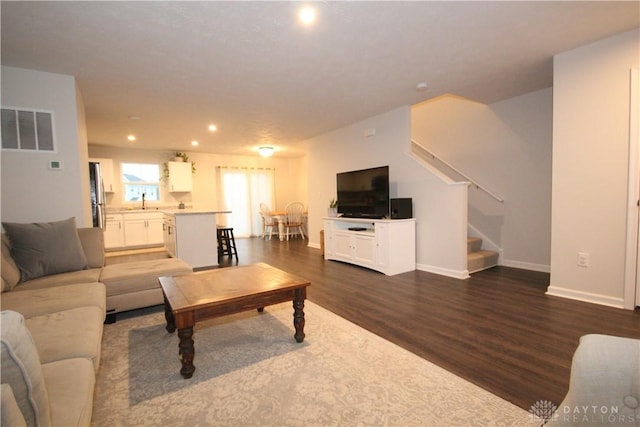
583	259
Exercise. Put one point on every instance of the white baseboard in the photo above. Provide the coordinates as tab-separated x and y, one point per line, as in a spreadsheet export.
527	266
585	296
314	245
456	274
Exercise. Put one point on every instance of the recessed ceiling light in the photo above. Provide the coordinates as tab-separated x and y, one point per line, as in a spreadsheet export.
421	87
134	117
213	127
266	151
194	143
131	137
307	15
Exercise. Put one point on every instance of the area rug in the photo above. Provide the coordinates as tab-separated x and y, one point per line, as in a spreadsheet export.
251	372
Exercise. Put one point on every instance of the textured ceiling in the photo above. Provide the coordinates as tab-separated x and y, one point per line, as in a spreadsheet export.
264	79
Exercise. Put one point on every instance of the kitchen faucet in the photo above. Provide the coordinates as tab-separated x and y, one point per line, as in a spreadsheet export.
143	196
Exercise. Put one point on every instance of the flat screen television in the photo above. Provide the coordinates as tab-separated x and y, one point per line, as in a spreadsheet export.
364	193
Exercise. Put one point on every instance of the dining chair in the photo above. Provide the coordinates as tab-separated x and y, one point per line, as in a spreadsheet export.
268	222
294	219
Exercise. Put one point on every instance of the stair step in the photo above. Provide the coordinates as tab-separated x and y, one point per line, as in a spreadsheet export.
474	244
481	260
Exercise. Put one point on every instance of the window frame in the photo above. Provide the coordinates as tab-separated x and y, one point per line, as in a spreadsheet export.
126	183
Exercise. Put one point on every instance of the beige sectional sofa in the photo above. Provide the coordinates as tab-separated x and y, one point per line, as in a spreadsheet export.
56	295
50	358
129	286
604	388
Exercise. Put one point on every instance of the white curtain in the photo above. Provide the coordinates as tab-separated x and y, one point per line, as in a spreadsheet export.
242	190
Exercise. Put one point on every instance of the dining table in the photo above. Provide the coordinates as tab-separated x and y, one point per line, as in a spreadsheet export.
279	217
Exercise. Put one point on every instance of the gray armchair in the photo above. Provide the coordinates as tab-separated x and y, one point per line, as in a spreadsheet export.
604	389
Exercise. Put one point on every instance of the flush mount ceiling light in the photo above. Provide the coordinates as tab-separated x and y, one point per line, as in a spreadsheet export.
213	128
421	87
307	15
194	143
266	151
131	137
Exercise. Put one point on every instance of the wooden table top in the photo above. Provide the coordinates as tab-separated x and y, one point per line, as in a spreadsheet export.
282	213
221	286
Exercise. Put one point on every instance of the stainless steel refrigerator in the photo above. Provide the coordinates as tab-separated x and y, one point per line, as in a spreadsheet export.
98	200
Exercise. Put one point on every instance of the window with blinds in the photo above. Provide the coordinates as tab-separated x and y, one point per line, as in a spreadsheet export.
27	130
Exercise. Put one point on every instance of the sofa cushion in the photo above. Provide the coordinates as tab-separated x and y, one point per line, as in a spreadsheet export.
605	373
40	249
130	277
68	334
21	369
37	302
9	270
71	384
82	276
10	414
92	240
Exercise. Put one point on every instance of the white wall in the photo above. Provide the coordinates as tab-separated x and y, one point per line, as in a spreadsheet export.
288	172
440	240
33	193
590	168
83	157
30	191
506	147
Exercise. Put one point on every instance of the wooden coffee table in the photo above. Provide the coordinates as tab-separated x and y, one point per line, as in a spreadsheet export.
194	297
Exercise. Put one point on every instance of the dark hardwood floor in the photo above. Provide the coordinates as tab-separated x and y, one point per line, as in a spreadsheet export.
497	329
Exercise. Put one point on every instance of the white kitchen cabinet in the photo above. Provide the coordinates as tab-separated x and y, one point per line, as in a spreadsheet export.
169	234
106	169
113	232
192	236
143	229
135	231
154	230
387	246
180	179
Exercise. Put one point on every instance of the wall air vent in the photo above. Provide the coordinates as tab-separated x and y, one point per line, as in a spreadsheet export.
27	130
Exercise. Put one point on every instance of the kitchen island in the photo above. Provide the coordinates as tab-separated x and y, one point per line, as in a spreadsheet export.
191	235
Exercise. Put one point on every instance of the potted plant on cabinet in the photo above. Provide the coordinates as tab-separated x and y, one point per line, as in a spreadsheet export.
333	208
178	157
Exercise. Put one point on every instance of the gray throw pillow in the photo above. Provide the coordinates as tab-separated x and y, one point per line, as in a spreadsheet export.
41	249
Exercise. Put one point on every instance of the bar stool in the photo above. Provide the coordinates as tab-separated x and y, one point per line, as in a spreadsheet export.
226	242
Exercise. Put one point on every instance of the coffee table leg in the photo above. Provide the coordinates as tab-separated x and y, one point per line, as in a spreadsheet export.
298	314
186	351
168	315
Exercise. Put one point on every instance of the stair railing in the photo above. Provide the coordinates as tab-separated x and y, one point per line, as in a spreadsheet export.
456	170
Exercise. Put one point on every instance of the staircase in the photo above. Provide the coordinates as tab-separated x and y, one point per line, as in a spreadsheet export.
477	258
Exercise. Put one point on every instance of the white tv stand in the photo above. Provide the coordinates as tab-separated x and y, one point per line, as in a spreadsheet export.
385	245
